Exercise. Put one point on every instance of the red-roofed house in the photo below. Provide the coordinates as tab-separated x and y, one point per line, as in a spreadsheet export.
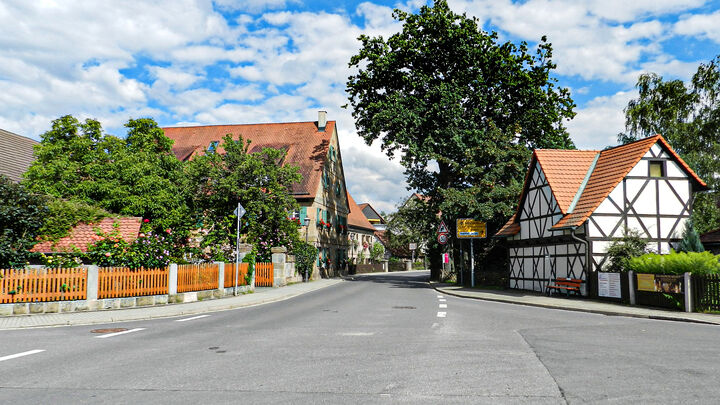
574	203
362	233
83	235
313	147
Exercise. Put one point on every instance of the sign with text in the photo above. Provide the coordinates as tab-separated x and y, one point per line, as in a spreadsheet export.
413	246
442	238
468	228
646	282
609	285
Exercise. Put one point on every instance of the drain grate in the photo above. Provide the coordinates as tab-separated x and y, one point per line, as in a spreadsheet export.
108	330
403	307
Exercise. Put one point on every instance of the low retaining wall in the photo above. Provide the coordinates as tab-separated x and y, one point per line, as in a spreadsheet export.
51	307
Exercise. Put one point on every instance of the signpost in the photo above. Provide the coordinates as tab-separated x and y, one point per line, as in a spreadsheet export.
413	246
468	228
239	212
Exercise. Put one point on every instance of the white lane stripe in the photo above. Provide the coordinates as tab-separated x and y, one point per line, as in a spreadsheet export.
439	296
442	300
441	314
119	333
190	319
16	355
443	305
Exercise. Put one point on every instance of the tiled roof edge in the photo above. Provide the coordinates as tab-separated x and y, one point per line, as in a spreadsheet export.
584	183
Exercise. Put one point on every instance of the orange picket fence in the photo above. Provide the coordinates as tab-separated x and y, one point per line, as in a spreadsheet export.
35	285
116	282
263	274
197	277
230	274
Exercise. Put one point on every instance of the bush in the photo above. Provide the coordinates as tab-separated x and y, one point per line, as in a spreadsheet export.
691	240
305	255
149	250
623	249
21	216
675	263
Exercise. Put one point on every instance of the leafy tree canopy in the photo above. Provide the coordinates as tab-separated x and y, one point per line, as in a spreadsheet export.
21	216
136	176
259	182
688	116
460	108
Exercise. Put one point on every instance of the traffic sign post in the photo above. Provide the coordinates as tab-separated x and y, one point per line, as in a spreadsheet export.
239	212
468	228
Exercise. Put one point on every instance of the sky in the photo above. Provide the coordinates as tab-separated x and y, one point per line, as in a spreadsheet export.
204	62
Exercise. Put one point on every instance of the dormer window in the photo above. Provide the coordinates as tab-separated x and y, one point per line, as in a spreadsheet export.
657	168
212	147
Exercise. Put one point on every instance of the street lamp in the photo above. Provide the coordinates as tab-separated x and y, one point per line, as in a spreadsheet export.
307	222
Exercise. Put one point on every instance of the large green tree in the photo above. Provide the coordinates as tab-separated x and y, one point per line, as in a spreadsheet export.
460	108
137	176
21	216
259	182
688	116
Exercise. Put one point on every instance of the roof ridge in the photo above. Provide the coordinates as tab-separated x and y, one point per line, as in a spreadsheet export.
244	125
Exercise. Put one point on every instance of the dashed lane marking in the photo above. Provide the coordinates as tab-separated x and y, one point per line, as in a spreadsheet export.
443	306
190	319
441	314
439	296
442	300
16	355
119	333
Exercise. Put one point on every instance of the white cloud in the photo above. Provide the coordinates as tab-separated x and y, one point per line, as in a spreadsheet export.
702	25
251	6
597	125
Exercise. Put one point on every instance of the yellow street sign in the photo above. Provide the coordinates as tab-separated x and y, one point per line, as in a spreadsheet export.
468	228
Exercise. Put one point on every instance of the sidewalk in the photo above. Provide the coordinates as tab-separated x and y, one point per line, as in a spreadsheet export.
260	296
573	304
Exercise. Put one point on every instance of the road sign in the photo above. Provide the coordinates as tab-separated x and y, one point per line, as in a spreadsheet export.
443	228
468	228
442	238
446	258
413	246
239	211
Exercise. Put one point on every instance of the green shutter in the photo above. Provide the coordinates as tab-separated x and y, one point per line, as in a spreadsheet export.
318	217
325	215
303	215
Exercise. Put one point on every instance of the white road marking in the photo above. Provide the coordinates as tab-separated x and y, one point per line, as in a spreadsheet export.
16	355
357	334
439	296
119	333
442	300
443	305
190	319
435	325
441	314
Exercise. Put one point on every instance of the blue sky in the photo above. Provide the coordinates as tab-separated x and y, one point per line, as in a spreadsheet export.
226	61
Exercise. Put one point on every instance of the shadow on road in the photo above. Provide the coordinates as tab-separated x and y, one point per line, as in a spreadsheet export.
396	280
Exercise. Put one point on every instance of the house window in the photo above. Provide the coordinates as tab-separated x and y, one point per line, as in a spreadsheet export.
212	147
657	169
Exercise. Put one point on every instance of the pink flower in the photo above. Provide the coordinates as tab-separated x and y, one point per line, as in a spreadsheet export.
142	235
107	254
168	230
146	220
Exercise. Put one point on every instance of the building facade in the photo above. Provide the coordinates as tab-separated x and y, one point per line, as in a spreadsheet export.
575	203
315	149
16	155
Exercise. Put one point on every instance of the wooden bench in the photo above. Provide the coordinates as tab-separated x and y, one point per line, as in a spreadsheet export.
565	284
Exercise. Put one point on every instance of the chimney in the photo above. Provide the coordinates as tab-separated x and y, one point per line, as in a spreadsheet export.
322	120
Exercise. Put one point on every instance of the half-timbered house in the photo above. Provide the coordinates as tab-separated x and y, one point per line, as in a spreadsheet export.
576	202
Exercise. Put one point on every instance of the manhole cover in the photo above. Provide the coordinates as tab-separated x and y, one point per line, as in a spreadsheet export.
403	307
108	330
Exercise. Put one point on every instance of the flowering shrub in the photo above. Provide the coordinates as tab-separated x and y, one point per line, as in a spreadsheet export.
149	250
60	261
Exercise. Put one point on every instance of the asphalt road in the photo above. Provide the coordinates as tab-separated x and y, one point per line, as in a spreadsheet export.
385	338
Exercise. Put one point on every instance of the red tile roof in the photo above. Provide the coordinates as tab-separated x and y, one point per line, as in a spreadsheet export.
356	218
86	234
306	146
566	170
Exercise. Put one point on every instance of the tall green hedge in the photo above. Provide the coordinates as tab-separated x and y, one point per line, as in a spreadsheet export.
675	263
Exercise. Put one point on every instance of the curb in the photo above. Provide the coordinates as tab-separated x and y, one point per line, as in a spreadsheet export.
159	316
585	310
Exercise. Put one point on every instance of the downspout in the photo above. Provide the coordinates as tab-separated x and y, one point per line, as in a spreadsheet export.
587	254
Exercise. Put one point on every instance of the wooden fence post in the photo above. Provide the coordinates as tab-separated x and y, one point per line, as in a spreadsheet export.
688	293
93	279
172	278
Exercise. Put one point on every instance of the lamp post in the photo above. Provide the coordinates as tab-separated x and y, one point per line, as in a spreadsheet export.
307	223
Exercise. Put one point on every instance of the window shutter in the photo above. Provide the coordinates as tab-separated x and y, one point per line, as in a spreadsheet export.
318	217
303	215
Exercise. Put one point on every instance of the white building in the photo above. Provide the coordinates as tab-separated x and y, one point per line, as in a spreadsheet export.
574	203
